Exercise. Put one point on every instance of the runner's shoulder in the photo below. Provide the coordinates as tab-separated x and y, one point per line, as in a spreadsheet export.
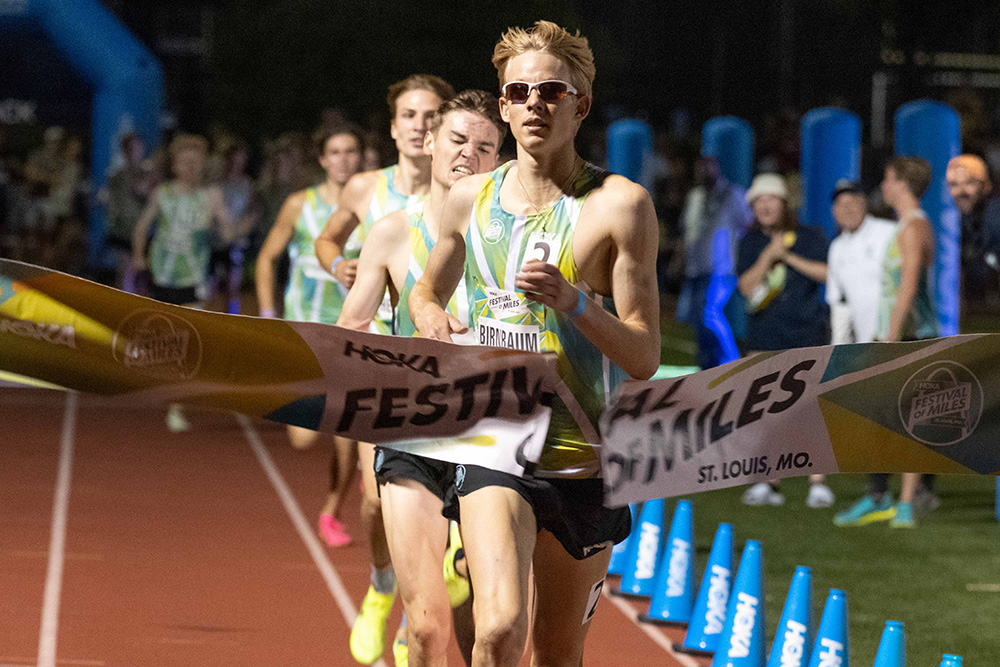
360	188
619	199
465	190
390	227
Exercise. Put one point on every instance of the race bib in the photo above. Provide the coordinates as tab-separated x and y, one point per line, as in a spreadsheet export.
544	247
494	333
504	304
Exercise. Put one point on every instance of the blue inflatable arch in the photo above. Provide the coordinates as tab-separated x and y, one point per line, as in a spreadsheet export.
126	79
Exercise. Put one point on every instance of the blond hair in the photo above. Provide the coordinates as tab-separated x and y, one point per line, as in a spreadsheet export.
474	101
547	37
188	142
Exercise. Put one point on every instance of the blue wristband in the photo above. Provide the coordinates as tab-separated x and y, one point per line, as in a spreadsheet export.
581	305
333	267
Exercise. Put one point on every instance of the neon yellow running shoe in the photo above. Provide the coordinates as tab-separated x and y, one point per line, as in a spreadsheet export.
368	633
458	586
401	652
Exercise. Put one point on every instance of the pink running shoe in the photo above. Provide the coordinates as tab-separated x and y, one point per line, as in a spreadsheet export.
333	531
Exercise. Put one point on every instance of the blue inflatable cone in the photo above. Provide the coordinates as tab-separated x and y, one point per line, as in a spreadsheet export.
644	550
831	647
705	626
742	640
949	660
673	592
793	638
619	552
892	647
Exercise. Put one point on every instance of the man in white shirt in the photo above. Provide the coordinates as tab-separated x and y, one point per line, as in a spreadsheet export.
854	265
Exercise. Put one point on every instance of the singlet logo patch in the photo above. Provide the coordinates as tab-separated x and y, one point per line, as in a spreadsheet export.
494	232
504	303
941	404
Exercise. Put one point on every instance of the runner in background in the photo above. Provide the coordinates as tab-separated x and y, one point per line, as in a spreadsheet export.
561	257
312	294
905	312
185	212
464	139
368	197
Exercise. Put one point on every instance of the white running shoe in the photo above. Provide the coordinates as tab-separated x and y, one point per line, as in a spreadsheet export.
820	496
761	493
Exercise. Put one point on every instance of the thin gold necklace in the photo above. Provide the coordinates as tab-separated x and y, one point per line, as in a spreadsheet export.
562	187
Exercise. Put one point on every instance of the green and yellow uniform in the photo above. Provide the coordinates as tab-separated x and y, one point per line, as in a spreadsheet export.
498	244
421	244
312	294
181	249
921	321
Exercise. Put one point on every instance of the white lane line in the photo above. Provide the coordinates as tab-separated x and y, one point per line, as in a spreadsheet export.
322	561
651	631
57	542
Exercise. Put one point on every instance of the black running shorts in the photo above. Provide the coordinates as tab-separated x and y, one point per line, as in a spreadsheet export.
571	509
436	476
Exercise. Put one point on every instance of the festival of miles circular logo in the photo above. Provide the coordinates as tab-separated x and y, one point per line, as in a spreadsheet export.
941	404
158	344
494	232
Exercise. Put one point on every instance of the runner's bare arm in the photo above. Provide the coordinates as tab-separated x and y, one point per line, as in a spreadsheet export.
632	339
386	246
354	200
141	232
275	244
911	244
445	265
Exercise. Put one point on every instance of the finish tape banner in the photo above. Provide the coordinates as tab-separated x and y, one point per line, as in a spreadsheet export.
462	404
927	406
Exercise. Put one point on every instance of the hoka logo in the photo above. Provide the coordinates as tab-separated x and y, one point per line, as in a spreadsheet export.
743	622
680	556
833	655
792	651
649	543
415	362
718	598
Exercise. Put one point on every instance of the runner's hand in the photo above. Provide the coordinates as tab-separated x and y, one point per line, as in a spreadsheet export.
346	272
434	322
545	284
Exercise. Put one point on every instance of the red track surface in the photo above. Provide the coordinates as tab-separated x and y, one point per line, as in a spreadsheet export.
179	550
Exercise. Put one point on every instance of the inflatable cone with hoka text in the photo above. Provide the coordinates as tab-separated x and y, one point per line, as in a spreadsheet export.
831	648
619	552
949	660
742	640
793	639
705	626
673	593
892	647
643	552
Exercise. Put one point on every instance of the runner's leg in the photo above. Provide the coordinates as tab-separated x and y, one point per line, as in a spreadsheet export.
371	508
498	529
417	534
564	603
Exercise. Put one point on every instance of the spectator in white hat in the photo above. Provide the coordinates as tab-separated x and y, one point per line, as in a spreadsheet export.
782	267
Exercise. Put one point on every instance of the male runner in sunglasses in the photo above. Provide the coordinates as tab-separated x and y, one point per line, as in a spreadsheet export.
561	257
367	197
464	139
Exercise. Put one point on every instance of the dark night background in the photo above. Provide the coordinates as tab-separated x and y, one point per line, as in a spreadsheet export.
264	66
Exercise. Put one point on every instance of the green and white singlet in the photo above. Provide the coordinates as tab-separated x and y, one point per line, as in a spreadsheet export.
386	199
497	244
312	294
421	245
181	249
921	321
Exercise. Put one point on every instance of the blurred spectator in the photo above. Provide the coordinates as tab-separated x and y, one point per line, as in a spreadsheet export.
128	188
716	216
854	271
782	268
65	207
237	194
42	172
970	186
